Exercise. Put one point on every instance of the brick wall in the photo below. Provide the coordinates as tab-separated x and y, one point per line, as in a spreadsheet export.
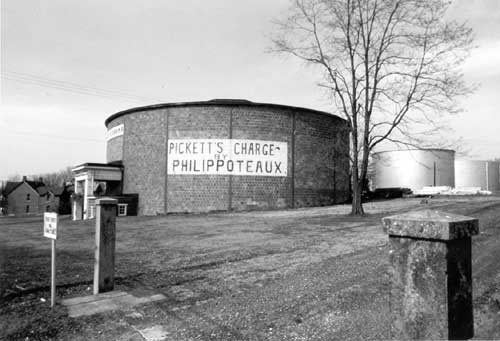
321	161
144	152
251	192
317	171
114	150
194	193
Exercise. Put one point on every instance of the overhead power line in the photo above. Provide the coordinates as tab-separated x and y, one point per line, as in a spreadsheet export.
52	136
74	87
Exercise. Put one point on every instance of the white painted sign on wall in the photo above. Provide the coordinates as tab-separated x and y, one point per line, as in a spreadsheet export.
227	157
115	132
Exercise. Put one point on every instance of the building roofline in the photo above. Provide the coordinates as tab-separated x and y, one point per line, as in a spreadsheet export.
6	193
416	149
216	102
96	165
19	184
476	160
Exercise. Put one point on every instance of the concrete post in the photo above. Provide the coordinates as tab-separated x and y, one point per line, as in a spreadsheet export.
104	266
431	275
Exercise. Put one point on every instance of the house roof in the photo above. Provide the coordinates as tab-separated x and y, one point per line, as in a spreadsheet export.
57	190
38	186
10	186
42	190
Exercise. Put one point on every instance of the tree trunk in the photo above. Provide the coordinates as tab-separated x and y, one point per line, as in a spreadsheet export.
357	188
359	182
357	206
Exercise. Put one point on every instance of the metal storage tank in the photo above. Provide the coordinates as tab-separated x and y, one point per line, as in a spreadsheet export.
414	168
229	155
477	173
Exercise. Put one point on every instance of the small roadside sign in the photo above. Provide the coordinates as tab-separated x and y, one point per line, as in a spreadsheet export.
50	221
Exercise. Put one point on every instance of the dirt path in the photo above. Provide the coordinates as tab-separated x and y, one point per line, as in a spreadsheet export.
293	274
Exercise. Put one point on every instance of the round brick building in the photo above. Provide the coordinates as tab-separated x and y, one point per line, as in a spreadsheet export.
229	155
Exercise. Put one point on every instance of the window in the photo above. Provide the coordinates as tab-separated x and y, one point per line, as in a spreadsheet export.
122	210
28	197
27	208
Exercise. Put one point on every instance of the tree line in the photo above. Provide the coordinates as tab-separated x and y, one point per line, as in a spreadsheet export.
51	179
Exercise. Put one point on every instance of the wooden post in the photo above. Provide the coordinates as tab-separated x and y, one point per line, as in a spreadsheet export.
104	266
431	275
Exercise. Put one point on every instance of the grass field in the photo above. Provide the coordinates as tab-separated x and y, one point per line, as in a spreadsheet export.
293	274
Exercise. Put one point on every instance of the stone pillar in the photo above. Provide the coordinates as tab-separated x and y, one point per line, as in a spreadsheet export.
104	266
431	275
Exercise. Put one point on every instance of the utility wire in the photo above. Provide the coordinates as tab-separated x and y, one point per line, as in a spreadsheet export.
73	87
46	81
65	83
52	136
91	93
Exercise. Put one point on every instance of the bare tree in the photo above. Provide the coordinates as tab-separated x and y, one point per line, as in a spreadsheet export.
58	178
390	67
14	177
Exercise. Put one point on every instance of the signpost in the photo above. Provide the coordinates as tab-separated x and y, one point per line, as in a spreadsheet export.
50	222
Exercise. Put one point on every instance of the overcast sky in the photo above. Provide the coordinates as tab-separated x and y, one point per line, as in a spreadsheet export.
67	65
